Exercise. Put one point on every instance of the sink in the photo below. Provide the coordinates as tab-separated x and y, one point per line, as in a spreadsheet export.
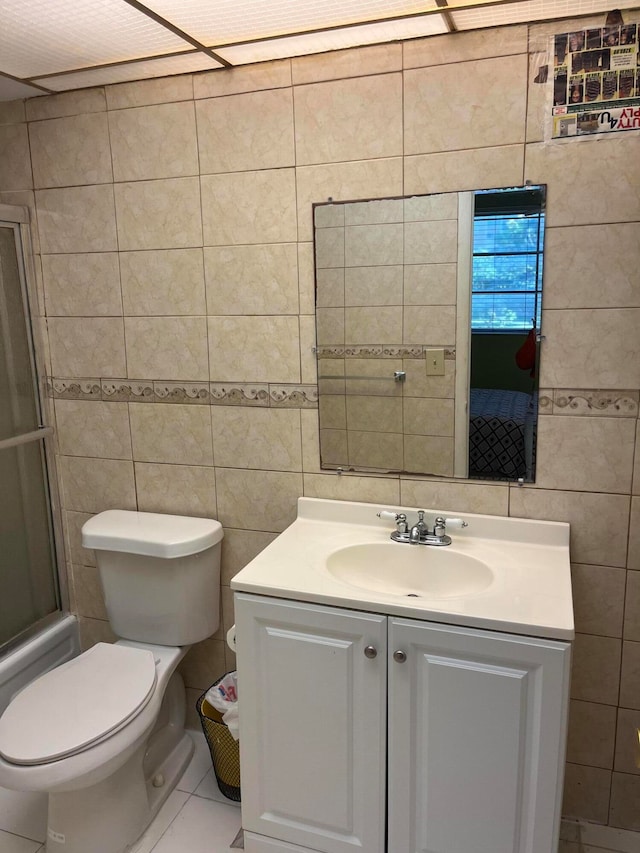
409	570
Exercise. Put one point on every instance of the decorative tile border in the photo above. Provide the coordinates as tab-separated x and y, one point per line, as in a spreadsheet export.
195	393
611	404
381	351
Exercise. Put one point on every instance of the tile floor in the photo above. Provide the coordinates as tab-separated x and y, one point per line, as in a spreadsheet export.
195	818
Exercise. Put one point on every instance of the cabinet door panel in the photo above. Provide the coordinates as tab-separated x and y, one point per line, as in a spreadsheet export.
475	740
312	724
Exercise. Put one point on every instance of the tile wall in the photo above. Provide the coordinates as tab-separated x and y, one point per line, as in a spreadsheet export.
174	261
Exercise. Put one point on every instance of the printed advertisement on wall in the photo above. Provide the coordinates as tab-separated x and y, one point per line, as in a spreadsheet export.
596	81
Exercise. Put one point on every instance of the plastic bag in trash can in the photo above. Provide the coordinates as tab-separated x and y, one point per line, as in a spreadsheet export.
224	697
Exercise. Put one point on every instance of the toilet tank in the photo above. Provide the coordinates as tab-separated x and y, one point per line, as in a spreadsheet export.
160	574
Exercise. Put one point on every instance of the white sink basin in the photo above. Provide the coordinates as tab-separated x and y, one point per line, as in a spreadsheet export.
410	570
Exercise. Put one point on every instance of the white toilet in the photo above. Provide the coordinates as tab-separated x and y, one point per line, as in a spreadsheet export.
104	734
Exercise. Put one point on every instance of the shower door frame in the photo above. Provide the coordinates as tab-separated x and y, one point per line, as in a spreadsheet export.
18	218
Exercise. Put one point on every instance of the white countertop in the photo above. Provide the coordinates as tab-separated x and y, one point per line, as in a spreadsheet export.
530	595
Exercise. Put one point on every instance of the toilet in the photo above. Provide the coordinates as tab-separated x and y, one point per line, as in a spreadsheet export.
103	734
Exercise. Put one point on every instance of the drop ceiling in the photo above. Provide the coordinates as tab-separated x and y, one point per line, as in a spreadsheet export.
57	45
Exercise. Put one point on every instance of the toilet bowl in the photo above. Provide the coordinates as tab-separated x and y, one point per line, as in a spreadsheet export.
104	734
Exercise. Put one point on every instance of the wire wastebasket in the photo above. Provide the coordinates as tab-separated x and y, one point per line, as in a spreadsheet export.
225	751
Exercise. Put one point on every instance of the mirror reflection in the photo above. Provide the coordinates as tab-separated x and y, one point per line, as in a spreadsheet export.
428	326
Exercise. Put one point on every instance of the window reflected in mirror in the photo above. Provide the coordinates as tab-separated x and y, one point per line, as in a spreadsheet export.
428	314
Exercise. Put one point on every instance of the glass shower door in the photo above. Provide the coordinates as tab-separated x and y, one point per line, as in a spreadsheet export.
28	575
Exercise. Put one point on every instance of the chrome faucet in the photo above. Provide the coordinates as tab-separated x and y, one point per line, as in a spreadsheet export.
419	533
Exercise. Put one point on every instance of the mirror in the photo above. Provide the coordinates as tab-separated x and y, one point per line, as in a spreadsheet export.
427	332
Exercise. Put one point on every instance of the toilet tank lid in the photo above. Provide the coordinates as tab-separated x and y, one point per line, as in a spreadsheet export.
150	533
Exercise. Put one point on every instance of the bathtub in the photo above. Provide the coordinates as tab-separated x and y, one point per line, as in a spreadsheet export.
55	644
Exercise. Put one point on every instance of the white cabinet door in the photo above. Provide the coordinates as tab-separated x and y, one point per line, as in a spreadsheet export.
312	723
476	740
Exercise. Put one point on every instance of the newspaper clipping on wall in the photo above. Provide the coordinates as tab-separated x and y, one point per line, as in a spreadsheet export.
596	81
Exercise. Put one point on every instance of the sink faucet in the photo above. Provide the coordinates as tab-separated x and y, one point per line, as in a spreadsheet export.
419	533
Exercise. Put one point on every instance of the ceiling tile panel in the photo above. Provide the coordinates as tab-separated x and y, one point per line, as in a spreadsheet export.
522	12
49	36
12	89
164	67
333	40
228	21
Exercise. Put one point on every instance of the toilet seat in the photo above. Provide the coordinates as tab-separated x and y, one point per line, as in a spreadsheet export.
78	704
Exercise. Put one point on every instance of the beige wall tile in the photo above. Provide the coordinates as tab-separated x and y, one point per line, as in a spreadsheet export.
330	248
252	279
464	46
93	428
376	211
237	504
154	142
431	325
428	454
254	349
332	411
364	179
380	325
567	358
77	219
586	454
454	497
418	384
234	207
82	285
94	631
595	673
330	326
430	284
88	598
15	165
167	432
627	759
310	441
77	554
142	93
483	168
158	214
598	599
499	84
578	259
308	368
12	112
334	450
269	439
163	282
167	348
580	191
427	208
380	285
203	664
93	485
537	96
434	242
305	278
632	607
375	450
87	346
337	64
364	116
369	376
371	245
428	416
586	792
630	675
633	560
246	132
176	489
71	151
239	547
66	104
587	513
635	489
330	286
249	78
376	414
625	795
378	491
592	732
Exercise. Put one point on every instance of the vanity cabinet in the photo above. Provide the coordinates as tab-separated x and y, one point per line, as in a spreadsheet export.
379	733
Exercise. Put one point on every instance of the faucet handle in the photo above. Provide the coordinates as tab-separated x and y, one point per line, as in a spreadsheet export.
399	517
456	522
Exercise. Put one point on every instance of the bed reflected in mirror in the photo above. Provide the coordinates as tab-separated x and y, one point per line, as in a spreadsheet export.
428	314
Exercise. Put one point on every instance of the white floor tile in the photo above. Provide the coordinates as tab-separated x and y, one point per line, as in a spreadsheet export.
24	813
15	844
208	788
198	767
203	826
168	812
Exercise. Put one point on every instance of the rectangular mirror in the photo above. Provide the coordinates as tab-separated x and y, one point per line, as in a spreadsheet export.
428	314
